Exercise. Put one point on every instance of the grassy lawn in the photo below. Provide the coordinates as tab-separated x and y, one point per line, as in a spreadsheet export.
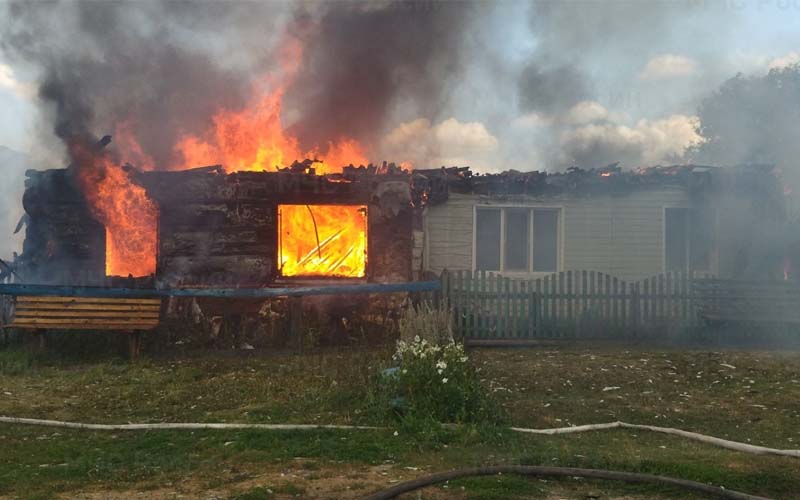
745	396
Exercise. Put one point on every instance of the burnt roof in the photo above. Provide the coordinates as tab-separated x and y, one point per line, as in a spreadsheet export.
611	179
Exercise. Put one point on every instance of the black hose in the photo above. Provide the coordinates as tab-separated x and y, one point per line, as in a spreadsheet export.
527	470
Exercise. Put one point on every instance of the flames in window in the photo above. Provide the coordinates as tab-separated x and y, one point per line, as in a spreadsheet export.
123	208
323	240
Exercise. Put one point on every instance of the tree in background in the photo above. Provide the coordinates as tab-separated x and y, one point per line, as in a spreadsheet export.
753	120
756	120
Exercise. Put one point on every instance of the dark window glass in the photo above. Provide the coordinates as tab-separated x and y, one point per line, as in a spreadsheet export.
517	239
487	239
676	242
545	240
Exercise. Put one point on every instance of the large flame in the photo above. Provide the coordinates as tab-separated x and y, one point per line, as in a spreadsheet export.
323	240
252	139
123	208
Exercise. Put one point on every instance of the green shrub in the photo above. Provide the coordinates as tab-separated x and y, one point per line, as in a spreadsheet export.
433	382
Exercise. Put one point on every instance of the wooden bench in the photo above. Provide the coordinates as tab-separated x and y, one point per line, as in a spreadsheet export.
42	313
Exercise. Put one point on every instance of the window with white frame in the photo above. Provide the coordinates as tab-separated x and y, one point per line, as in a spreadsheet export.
517	239
689	242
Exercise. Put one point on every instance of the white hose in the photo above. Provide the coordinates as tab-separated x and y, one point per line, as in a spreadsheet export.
724	443
180	425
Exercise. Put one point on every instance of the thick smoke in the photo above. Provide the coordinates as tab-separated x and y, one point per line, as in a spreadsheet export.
559	73
524	74
137	64
162	70
363	57
590	54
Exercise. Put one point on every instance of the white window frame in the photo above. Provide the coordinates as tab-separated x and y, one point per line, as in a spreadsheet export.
713	259
530	208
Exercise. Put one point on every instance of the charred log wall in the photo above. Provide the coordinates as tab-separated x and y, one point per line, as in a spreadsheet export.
390	224
64	244
217	229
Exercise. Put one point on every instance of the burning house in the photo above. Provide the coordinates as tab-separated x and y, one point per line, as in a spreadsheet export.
205	227
209	228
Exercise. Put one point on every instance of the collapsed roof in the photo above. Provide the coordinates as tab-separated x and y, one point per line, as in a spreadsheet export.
437	184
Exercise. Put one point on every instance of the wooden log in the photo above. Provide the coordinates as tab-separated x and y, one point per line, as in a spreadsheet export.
58	322
69	306
197	216
20	314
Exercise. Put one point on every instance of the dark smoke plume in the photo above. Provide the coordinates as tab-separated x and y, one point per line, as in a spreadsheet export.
361	58
163	69
115	62
551	90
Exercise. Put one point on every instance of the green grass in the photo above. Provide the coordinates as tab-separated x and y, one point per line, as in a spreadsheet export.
257	493
265	492
16	362
758	400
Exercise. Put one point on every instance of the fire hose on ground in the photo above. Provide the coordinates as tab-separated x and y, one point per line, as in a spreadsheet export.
540	471
489	470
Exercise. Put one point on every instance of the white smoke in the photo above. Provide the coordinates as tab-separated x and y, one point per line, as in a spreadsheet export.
644	143
449	142
20	89
668	66
784	61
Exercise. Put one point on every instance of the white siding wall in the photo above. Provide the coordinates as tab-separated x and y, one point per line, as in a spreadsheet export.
621	235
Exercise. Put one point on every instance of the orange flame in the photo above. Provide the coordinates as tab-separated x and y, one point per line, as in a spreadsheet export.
251	139
323	240
254	139
123	208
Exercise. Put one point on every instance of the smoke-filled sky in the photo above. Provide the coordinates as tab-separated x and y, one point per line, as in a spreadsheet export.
510	84
526	85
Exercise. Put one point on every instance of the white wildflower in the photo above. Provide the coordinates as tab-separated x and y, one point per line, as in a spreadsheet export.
444	380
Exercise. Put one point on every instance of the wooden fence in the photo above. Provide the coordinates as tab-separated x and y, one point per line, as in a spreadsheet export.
566	304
